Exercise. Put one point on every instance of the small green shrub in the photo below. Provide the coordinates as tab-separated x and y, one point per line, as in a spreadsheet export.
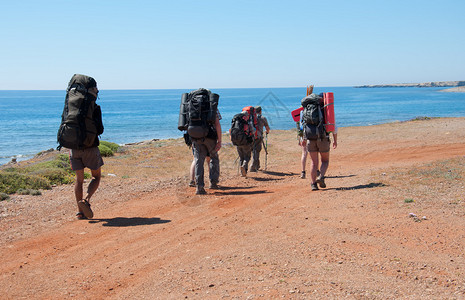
105	151
22	191
11	182
37	176
35	192
113	146
4	196
55	175
421	118
28	192
57	171
409	200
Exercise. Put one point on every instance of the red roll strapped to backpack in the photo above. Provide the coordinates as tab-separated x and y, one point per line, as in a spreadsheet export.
330	118
296	114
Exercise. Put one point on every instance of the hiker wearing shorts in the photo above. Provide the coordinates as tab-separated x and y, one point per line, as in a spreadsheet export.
315	139
303	146
86	158
319	149
303	158
258	141
80	101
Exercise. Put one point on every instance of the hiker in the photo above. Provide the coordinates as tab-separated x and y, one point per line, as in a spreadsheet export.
242	134
258	140
82	114
188	142
200	117
303	146
318	142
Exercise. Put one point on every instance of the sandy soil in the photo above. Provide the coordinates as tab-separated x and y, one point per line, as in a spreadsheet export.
389	225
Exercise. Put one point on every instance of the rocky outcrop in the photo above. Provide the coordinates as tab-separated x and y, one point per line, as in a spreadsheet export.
425	84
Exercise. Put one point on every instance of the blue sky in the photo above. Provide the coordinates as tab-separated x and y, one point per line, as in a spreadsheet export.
230	44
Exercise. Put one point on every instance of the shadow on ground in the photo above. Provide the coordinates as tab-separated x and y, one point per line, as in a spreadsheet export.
341	176
279	173
359	187
237	193
128	222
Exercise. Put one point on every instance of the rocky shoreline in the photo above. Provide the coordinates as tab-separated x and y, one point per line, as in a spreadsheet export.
425	84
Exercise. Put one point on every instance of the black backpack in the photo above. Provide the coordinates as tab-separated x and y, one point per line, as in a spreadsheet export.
198	113
240	134
81	120
313	118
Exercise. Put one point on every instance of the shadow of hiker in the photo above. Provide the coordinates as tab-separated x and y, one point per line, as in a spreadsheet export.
341	176
265	179
237	193
222	187
128	222
279	173
359	187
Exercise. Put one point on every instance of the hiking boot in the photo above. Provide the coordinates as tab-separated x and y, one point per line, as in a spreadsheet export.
192	183
243	171
253	170
321	181
214	186
302	175
200	191
314	186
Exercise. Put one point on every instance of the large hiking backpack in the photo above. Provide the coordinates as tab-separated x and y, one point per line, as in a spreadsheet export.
312	117
253	115
81	120
198	113
240	131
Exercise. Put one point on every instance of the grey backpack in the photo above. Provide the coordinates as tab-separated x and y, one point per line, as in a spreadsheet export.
312	117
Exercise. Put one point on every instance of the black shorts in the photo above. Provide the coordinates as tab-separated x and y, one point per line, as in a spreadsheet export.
87	158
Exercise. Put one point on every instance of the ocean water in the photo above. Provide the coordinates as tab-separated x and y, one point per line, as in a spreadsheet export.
29	120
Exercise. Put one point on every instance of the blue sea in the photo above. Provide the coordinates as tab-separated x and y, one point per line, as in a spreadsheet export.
29	120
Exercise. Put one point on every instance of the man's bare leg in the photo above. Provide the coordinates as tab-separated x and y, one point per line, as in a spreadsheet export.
94	183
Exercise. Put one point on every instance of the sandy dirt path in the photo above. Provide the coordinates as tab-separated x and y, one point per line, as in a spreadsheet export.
262	237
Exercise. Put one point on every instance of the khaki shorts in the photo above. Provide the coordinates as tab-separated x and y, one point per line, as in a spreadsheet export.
318	145
89	158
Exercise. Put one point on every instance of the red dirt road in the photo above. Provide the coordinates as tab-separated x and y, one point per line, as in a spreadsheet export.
264	237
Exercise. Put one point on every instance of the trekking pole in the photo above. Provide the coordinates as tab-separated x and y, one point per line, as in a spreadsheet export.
266	150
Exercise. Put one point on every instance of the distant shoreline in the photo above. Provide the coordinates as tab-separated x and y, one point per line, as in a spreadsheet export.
458	89
425	84
12	161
